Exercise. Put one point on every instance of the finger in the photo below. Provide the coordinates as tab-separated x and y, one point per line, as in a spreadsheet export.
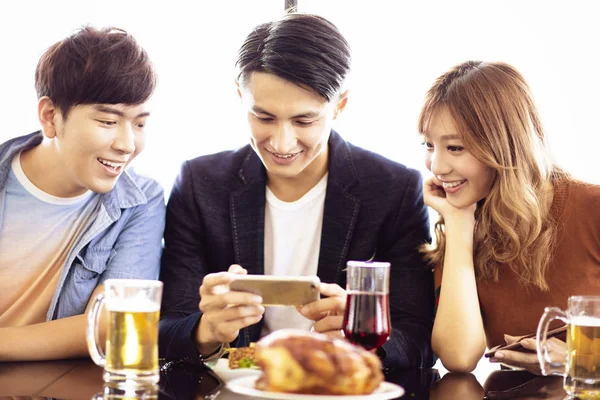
228	331
529	344
320	308
329	324
232	313
516	357
232	298
212	280
511	339
332	289
233	326
335	334
237	269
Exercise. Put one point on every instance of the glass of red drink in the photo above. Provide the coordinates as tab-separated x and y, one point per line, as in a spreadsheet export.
367	316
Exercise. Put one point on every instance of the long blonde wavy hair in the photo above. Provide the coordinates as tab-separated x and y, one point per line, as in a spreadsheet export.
498	122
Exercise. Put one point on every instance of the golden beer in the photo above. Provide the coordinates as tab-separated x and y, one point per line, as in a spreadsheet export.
132	310
132	342
583	357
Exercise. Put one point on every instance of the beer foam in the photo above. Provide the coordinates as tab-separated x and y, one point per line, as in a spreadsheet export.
132	305
585	321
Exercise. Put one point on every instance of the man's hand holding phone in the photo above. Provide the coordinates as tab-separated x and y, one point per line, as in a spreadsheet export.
224	311
328	312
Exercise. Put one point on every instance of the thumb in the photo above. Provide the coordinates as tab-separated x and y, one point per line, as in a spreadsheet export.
331	289
511	339
237	269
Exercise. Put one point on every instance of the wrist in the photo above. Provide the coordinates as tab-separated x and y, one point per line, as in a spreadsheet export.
205	343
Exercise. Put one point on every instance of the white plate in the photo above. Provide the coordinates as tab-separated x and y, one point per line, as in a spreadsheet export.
245	386
221	368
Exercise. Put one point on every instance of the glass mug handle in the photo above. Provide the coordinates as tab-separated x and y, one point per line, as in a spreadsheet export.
547	366
91	333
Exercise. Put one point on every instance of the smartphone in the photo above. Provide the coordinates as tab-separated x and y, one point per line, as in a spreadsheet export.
517	346
279	290
513	346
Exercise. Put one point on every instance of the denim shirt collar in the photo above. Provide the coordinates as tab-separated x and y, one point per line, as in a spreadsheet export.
125	194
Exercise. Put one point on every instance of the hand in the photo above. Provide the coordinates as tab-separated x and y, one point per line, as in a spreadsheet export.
224	312
435	197
328	313
529	360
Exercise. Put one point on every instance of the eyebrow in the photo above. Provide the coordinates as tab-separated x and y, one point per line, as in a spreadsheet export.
112	110
309	114
450	137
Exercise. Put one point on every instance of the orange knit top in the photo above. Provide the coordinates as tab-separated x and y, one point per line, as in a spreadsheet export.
515	309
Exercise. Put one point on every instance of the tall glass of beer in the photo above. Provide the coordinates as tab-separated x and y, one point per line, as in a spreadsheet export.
132	310
582	368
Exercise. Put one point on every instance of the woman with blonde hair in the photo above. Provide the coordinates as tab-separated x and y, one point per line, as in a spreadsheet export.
516	234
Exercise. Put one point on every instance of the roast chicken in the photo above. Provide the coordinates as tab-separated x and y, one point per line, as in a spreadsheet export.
309	363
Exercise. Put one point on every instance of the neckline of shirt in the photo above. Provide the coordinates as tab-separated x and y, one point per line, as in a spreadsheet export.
316	191
39	193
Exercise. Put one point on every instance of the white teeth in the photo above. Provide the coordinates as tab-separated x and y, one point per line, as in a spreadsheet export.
283	155
110	163
453	184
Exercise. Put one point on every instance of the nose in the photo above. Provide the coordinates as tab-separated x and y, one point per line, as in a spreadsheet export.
124	141
283	139
438	164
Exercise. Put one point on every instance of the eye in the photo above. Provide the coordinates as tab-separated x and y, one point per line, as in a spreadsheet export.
304	123
107	123
264	119
426	144
455	149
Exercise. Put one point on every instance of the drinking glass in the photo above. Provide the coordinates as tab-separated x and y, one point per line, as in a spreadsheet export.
582	369
133	307
367	316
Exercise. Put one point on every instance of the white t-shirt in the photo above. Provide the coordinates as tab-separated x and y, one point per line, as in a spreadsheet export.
37	233
292	243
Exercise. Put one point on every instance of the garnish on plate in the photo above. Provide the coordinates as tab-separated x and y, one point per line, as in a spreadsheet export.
242	357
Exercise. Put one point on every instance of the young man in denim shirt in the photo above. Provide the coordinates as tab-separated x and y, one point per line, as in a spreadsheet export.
299	200
71	213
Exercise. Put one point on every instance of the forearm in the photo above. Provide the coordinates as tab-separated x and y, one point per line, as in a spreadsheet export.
458	336
53	340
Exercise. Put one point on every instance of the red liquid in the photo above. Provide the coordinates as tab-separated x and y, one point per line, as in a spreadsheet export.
367	319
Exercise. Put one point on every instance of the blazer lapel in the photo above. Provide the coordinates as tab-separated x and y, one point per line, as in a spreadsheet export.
340	212
247	210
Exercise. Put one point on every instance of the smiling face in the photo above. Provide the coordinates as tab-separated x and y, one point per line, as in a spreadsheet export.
95	144
289	126
465	179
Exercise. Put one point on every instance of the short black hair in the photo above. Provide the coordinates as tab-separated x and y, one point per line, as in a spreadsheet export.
304	49
95	66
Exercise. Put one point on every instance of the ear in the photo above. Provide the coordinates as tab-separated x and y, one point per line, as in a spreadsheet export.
238	87
47	114
341	104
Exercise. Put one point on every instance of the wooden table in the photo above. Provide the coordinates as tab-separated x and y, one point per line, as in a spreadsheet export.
81	379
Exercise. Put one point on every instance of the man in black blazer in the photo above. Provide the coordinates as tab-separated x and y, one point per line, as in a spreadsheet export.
298	200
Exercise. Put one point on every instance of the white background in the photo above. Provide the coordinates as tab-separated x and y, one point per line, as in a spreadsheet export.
399	48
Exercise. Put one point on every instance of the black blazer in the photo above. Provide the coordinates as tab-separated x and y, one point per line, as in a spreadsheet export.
373	209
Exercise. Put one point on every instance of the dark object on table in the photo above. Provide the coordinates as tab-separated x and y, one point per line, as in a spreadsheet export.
521	385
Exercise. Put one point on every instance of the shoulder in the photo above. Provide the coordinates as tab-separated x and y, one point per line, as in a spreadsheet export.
216	168
583	194
151	189
581	209
373	169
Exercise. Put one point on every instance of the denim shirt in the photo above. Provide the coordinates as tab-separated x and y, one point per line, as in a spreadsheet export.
123	240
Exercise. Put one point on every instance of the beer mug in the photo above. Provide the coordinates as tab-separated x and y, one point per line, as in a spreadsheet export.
582	370
132	307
